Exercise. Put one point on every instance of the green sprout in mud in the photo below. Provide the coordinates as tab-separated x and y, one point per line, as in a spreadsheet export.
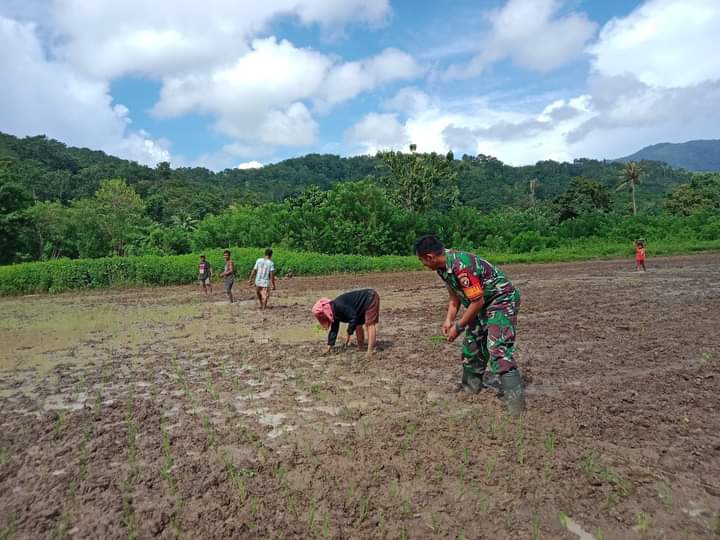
363	509
599	534
3	456
549	443
536	528
590	466
490	465
317	392
437	339
520	443
642	522
381	521
326	528
406	510
311	515
84	452
410	431
98	403
281	474
211	390
394	489
562	517
59	423
484	502
209	431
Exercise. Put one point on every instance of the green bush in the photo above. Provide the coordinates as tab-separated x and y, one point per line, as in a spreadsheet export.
65	274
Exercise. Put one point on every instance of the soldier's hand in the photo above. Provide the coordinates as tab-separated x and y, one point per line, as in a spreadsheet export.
452	333
446	327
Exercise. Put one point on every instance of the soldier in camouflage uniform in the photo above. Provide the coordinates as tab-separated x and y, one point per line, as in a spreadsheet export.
491	307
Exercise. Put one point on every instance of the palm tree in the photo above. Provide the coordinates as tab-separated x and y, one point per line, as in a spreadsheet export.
630	179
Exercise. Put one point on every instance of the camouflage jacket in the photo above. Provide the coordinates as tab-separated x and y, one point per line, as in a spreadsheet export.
471	278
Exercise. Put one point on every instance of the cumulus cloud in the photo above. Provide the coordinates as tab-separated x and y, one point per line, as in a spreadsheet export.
408	100
348	80
250	165
532	34
647	85
42	96
262	95
109	38
377	132
663	43
654	77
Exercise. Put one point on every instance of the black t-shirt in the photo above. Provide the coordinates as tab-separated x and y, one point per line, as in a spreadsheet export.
350	308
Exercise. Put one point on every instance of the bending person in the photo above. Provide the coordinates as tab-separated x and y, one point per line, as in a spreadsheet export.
491	305
356	308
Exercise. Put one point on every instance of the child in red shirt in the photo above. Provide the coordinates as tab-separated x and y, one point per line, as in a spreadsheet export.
639	255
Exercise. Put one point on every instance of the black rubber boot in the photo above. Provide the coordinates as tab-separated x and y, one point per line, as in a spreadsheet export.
514	394
471	383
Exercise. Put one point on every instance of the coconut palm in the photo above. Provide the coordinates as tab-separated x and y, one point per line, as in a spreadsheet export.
630	180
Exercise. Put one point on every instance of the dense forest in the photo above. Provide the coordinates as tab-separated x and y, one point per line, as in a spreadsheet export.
57	201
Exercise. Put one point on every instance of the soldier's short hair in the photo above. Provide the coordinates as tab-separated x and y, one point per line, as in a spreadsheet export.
428	244
226	251
268	252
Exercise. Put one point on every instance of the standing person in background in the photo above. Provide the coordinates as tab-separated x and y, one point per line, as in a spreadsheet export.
491	306
205	274
264	274
640	255
356	308
228	274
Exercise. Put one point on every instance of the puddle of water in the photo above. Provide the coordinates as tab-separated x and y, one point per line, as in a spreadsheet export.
575	528
60	402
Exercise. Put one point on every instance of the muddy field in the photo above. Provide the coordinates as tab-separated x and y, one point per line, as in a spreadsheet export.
160	413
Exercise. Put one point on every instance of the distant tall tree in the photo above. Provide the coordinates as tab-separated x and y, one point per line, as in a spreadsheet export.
533	189
417	181
630	177
121	210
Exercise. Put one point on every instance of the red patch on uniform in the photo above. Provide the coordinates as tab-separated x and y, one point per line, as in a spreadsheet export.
470	284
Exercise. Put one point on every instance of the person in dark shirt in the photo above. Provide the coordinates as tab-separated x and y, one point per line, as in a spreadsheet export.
356	308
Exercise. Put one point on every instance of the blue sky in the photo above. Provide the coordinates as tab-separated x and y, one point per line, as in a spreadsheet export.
230	83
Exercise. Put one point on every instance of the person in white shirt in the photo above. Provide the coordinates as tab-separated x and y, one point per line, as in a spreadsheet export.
264	274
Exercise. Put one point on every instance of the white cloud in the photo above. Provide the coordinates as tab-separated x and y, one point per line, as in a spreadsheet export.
260	97
377	132
408	100
110	38
347	80
532	35
250	165
655	78
41	96
663	43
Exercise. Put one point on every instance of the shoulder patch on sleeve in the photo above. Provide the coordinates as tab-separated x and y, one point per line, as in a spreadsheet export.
470	284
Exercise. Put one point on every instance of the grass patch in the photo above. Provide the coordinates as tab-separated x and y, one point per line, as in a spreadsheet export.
65	274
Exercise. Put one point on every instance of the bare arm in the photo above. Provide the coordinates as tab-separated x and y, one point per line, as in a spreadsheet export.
272	277
453	307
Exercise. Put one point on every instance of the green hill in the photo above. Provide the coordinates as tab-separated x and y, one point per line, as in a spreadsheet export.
52	171
692	155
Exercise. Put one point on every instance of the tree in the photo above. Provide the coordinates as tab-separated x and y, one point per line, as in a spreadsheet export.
14	198
582	196
701	193
630	177
120	209
52	225
417	181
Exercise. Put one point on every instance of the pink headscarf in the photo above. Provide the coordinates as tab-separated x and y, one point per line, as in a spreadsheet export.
323	311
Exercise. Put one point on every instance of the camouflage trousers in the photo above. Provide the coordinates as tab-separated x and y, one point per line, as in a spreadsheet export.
491	338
